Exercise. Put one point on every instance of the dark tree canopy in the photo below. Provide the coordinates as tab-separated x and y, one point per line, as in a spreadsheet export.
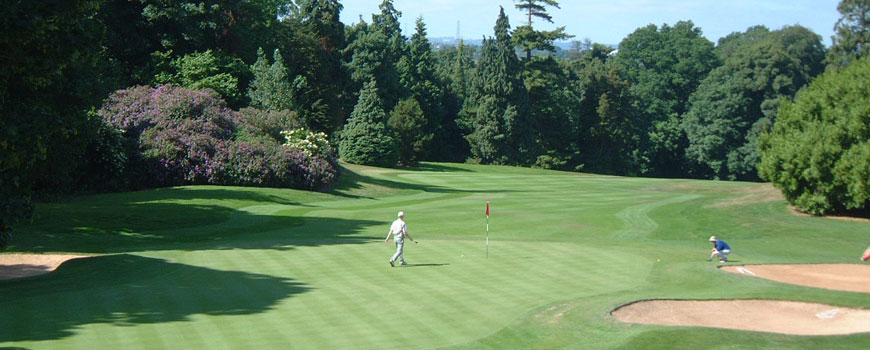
818	152
496	114
739	100
50	74
664	66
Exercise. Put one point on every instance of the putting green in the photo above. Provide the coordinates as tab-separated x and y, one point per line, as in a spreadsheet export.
224	267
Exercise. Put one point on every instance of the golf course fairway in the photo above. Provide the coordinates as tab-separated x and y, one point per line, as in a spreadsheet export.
207	267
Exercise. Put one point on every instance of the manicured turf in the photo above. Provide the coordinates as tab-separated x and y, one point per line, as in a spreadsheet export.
231	268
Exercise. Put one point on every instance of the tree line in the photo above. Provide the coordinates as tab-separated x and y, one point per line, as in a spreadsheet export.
288	88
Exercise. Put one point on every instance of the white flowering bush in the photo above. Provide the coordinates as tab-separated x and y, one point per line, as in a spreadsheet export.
313	144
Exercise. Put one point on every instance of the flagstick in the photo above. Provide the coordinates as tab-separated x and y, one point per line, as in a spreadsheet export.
487	229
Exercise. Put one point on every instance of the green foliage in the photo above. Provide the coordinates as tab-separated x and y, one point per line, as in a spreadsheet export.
738	100
852	38
372	59
254	125
818	152
366	138
225	26
387	21
417	70
607	129
455	69
319	40
204	70
409	124
271	89
664	65
529	39
554	102
50	75
274	90
496	115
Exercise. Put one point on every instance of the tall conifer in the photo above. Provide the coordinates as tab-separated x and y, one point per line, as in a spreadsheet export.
366	138
497	112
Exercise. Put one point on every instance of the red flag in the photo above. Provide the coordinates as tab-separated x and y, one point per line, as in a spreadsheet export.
487	208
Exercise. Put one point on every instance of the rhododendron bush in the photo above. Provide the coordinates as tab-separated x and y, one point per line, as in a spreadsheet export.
186	137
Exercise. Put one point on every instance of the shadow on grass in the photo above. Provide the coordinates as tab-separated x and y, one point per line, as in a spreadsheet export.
351	181
432	167
125	290
247	194
120	227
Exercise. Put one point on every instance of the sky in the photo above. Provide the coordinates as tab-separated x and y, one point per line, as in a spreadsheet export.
607	21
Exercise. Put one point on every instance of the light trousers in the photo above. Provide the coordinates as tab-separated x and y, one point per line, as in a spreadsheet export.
400	249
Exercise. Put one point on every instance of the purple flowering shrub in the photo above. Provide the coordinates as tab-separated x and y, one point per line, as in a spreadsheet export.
188	137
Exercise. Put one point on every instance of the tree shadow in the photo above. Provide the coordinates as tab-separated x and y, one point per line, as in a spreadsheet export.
351	180
433	167
119	227
22	270
127	290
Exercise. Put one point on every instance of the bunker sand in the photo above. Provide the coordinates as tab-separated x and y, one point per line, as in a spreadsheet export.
25	265
774	316
845	277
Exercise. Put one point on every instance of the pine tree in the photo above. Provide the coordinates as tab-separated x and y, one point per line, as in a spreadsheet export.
527	37
417	72
325	76
496	115
270	90
366	138
410	125
455	69
375	52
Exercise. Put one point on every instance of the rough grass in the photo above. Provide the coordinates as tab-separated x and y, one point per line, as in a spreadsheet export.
229	267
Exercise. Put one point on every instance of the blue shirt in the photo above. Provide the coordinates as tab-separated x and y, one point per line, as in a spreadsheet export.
721	245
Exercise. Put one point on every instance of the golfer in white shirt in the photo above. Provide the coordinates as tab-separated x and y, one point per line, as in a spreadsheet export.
400	231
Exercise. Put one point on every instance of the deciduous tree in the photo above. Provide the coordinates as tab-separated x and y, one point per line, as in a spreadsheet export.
738	100
818	152
664	66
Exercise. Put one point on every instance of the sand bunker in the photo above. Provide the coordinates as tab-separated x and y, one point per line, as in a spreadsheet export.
785	317
847	277
24	265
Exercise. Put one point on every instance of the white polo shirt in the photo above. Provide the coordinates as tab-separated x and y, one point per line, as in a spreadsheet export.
398	228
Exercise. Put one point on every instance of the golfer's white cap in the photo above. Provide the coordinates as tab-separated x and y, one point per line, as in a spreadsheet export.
713	239
401	214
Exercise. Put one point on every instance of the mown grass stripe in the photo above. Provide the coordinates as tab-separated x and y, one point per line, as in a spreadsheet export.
227	268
